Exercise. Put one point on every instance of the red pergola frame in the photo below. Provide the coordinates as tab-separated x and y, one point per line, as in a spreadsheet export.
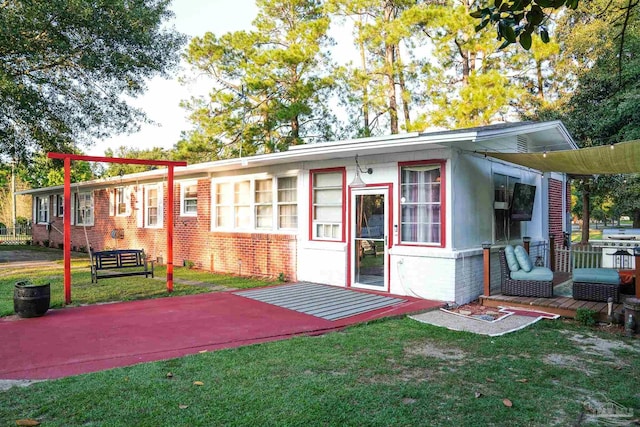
67	209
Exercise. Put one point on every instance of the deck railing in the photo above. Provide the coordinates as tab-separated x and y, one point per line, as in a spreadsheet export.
17	236
577	256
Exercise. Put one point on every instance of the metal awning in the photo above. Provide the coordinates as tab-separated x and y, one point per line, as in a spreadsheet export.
621	158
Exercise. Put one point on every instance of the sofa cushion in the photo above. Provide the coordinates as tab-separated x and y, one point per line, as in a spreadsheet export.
537	273
510	256
523	259
596	275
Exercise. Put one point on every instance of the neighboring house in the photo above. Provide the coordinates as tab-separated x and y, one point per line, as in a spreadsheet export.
415	227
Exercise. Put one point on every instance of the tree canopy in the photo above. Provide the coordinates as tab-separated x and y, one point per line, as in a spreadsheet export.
66	65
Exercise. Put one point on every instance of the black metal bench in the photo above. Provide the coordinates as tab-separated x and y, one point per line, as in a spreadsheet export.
119	263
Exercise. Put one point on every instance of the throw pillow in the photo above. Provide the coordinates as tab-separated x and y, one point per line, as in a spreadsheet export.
512	261
523	259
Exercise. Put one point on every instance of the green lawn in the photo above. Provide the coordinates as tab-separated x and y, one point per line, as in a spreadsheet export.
106	290
388	373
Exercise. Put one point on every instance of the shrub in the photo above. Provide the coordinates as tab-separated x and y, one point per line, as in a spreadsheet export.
586	316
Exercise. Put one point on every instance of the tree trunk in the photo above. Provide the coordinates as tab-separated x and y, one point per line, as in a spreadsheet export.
389	15
636	218
585	216
365	91
404	94
540	79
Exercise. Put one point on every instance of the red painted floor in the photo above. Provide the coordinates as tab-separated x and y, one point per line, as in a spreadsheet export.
79	340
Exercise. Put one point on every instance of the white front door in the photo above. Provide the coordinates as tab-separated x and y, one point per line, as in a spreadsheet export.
369	238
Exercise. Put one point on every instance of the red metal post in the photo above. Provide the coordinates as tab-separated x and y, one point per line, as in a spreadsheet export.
170	229
66	219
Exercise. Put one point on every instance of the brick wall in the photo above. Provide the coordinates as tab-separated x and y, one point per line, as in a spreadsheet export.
247	254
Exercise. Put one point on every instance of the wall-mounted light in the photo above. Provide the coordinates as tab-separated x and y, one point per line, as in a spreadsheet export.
357	180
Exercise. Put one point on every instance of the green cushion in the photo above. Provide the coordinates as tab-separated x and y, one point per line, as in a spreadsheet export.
596	275
536	273
523	259
512	261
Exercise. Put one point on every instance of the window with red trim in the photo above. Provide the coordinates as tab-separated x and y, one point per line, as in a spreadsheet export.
421	197
327	196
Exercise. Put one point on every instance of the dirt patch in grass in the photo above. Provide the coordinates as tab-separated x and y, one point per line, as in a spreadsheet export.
573	362
601	346
404	375
431	350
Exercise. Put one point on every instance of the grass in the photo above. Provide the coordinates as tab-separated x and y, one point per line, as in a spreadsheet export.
393	372
107	290
576	236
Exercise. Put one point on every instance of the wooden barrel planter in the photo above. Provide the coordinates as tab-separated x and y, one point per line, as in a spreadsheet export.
31	300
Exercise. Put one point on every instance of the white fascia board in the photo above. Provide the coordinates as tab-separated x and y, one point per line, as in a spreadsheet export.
484	135
333	151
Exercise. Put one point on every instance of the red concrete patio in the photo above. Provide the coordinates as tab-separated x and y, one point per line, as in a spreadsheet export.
77	340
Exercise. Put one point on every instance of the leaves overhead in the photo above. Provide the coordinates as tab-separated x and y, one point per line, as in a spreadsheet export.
268	89
65	65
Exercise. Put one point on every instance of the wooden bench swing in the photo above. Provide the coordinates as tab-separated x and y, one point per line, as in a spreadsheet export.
119	263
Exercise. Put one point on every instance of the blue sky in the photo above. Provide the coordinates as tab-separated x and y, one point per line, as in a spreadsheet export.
161	101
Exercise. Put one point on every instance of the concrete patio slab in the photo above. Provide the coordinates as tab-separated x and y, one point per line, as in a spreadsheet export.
78	340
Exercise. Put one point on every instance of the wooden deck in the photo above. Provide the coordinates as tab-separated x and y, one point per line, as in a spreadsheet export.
564	306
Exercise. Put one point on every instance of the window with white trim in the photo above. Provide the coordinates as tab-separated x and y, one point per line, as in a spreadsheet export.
42	210
263	199
288	202
505	230
151	207
261	204
327	210
120	201
421	203
189	198
242	204
84	209
224	205
58	208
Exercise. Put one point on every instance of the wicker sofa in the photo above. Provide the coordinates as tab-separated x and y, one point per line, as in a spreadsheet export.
525	287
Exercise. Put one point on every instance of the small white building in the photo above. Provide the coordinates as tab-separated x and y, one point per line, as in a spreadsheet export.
402	214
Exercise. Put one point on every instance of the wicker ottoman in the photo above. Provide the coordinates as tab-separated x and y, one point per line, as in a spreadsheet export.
596	284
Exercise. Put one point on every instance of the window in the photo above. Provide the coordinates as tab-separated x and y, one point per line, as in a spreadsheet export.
327	214
121	201
58	205
264	204
505	229
224	205
84	209
288	202
189	198
242	204
42	210
151	207
421	195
